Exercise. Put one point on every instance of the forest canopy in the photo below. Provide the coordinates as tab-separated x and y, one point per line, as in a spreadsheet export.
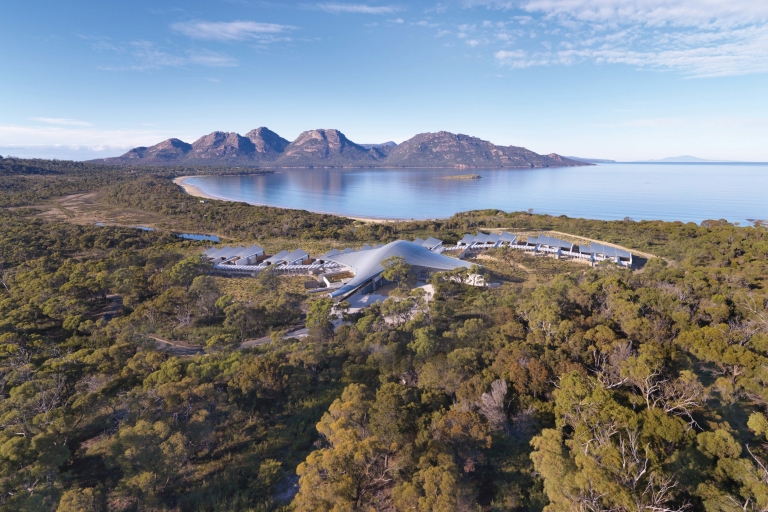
568	387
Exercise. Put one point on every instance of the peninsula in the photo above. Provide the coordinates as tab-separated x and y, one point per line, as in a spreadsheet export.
330	148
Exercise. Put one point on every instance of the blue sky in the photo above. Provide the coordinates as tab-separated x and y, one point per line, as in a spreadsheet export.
619	79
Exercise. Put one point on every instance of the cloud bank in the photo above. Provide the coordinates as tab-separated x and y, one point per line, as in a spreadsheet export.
61	121
232	31
694	37
77	142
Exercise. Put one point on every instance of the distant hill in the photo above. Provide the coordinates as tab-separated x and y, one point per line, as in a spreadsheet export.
171	150
682	159
389	144
444	149
326	148
267	142
331	148
592	160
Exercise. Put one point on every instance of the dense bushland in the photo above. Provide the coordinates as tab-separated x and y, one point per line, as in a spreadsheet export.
596	389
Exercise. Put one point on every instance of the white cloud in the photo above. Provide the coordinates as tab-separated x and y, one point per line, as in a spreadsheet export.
73	136
694	37
646	12
731	58
504	55
210	59
62	152
147	56
337	8
491	4
397	21
518	59
61	121
439	8
656	13
231	31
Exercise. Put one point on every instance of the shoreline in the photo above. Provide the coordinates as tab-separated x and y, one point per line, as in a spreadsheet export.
194	191
191	189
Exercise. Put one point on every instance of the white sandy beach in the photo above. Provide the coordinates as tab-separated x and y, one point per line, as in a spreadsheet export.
193	190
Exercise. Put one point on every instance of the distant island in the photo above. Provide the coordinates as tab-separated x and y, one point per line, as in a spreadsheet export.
684	159
330	148
463	177
687	159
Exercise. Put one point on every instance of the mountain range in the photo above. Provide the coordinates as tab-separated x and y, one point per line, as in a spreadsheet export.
331	148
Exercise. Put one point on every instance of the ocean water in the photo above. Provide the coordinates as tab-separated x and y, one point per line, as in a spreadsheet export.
671	192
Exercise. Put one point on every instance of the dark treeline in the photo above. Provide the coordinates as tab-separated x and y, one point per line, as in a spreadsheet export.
584	389
34	166
238	220
25	182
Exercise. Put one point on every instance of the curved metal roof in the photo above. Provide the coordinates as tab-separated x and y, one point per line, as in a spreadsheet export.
367	264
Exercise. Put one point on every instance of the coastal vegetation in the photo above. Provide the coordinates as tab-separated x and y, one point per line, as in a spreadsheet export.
26	182
566	388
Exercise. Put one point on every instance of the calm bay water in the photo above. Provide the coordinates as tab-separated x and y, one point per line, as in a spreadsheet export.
684	192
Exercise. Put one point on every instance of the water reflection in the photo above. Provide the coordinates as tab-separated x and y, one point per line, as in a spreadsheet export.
611	191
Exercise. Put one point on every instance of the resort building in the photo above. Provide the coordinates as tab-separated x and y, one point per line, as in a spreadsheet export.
251	260
341	272
327	257
362	269
235	255
593	252
297	257
547	242
433	244
483	241
606	252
